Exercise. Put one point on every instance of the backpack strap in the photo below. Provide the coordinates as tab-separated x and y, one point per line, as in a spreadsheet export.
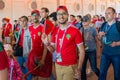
118	26
102	26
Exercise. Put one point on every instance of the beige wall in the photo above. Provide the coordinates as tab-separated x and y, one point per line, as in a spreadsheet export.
16	8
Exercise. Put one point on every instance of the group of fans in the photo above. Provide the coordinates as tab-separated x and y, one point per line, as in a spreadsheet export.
58	46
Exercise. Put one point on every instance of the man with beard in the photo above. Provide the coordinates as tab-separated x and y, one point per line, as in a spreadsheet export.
39	56
65	39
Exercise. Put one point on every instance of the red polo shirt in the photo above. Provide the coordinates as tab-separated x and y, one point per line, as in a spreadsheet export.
71	39
7	29
49	26
37	52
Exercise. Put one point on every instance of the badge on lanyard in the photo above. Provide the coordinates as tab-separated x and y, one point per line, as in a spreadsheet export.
59	57
104	40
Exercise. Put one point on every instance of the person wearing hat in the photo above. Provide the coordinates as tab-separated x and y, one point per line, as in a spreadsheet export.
7	30
39	56
3	27
91	43
65	39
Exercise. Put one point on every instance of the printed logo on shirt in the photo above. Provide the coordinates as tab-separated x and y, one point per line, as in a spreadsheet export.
39	33
68	36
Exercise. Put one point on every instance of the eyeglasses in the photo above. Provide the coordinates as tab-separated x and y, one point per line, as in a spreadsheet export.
59	14
35	14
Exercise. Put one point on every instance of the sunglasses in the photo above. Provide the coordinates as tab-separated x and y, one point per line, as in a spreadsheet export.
59	14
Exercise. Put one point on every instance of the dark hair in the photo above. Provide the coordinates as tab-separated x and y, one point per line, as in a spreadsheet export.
97	16
79	17
25	17
114	11
54	16
46	9
72	15
103	18
15	20
3	19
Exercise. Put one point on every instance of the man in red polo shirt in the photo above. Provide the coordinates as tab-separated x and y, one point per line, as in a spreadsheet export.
65	39
7	30
48	25
39	54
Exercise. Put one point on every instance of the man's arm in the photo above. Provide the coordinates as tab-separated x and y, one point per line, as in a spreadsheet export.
98	45
47	41
81	55
42	61
113	44
50	47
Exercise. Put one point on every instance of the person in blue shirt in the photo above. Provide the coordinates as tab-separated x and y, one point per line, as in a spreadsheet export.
79	22
110	38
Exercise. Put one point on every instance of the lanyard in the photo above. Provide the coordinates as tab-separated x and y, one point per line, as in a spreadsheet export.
107	28
61	41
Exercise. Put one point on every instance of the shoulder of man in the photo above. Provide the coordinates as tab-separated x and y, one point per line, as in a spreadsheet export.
101	28
118	26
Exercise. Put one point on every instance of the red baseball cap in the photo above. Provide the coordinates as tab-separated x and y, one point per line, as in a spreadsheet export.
62	7
35	11
7	19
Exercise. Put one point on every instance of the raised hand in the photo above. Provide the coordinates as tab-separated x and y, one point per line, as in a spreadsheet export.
101	34
45	39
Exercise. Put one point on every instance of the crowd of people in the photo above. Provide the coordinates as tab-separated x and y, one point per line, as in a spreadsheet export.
58	46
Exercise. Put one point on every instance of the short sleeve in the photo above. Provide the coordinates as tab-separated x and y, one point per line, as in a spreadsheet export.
95	33
54	35
78	37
